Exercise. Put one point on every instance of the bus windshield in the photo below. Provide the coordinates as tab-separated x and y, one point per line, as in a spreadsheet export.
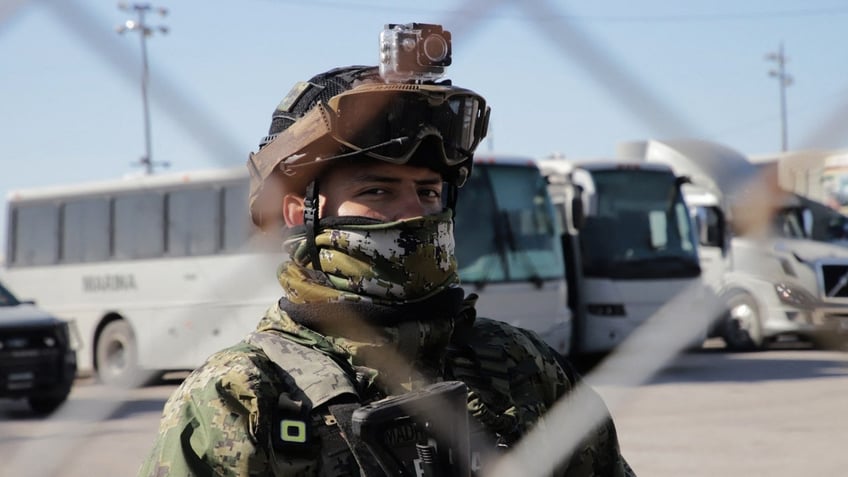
641	229
504	227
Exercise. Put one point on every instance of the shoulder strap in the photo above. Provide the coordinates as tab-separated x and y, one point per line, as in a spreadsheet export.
319	377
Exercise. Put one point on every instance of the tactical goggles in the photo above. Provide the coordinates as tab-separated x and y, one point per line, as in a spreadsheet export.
389	121
385	121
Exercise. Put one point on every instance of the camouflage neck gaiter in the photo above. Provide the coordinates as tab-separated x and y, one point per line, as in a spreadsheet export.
388	293
385	263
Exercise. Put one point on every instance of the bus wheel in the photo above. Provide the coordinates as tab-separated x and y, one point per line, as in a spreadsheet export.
743	325
116	355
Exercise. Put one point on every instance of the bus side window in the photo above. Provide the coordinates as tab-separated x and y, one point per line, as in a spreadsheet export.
35	239
139	226
85	230
236	222
192	222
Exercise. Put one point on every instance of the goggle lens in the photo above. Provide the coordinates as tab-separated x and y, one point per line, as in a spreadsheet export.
365	121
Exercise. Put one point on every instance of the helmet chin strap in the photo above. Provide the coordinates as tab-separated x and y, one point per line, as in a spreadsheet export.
310	222
453	196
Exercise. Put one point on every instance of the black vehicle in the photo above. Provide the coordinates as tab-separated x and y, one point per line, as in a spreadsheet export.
37	358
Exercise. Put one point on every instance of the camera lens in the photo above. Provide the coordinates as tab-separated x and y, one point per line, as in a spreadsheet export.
435	48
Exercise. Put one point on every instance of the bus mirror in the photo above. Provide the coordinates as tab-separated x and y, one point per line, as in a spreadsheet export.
577	215
710	227
700	224
680	180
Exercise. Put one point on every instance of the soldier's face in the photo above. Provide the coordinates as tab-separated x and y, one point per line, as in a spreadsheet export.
378	190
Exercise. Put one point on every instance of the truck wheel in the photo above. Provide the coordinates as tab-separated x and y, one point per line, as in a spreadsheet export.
743	323
116	355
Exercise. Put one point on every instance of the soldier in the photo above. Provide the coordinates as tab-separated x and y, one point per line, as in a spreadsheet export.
363	171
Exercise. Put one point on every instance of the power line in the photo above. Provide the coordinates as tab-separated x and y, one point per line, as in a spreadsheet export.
716	17
648	18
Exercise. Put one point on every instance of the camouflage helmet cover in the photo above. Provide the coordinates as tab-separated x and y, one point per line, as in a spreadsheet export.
351	112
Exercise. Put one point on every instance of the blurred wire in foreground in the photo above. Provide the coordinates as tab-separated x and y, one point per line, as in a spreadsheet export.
209	133
650	348
656	343
8	8
622	85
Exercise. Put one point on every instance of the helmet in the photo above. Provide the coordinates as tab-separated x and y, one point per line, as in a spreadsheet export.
352	113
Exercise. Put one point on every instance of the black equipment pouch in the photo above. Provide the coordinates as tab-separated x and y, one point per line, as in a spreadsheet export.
423	432
368	465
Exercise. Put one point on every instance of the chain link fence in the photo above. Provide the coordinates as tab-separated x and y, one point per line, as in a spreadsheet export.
648	350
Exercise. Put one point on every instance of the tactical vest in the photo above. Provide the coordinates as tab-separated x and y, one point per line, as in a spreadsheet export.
328	395
331	396
321	380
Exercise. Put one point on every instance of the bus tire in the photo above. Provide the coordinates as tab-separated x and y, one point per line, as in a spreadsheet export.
117	355
743	327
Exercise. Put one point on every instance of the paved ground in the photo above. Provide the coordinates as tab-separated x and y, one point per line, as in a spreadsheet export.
777	413
781	413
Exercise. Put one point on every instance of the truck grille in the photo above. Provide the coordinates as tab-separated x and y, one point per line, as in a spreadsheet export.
833	278
31	359
28	339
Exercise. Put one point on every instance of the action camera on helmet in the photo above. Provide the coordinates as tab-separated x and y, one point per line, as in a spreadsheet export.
414	52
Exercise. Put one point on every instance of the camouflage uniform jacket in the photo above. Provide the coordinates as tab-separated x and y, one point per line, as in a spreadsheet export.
221	420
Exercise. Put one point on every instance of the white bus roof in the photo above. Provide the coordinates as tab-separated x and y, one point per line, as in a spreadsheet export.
564	166
505	159
141	182
711	164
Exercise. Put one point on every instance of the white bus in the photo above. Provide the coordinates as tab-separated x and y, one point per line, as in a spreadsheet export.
509	248
158	272
634	250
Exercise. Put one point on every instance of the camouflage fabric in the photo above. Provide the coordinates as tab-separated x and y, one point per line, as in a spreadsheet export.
513	379
395	262
221	420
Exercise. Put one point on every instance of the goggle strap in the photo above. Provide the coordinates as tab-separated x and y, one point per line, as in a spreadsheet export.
310	222
365	150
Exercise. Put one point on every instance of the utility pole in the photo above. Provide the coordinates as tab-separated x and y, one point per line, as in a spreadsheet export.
144	31
784	80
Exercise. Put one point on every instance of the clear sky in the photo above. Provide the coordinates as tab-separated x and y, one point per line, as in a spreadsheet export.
568	77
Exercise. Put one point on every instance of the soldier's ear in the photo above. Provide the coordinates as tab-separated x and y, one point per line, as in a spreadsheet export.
293	210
